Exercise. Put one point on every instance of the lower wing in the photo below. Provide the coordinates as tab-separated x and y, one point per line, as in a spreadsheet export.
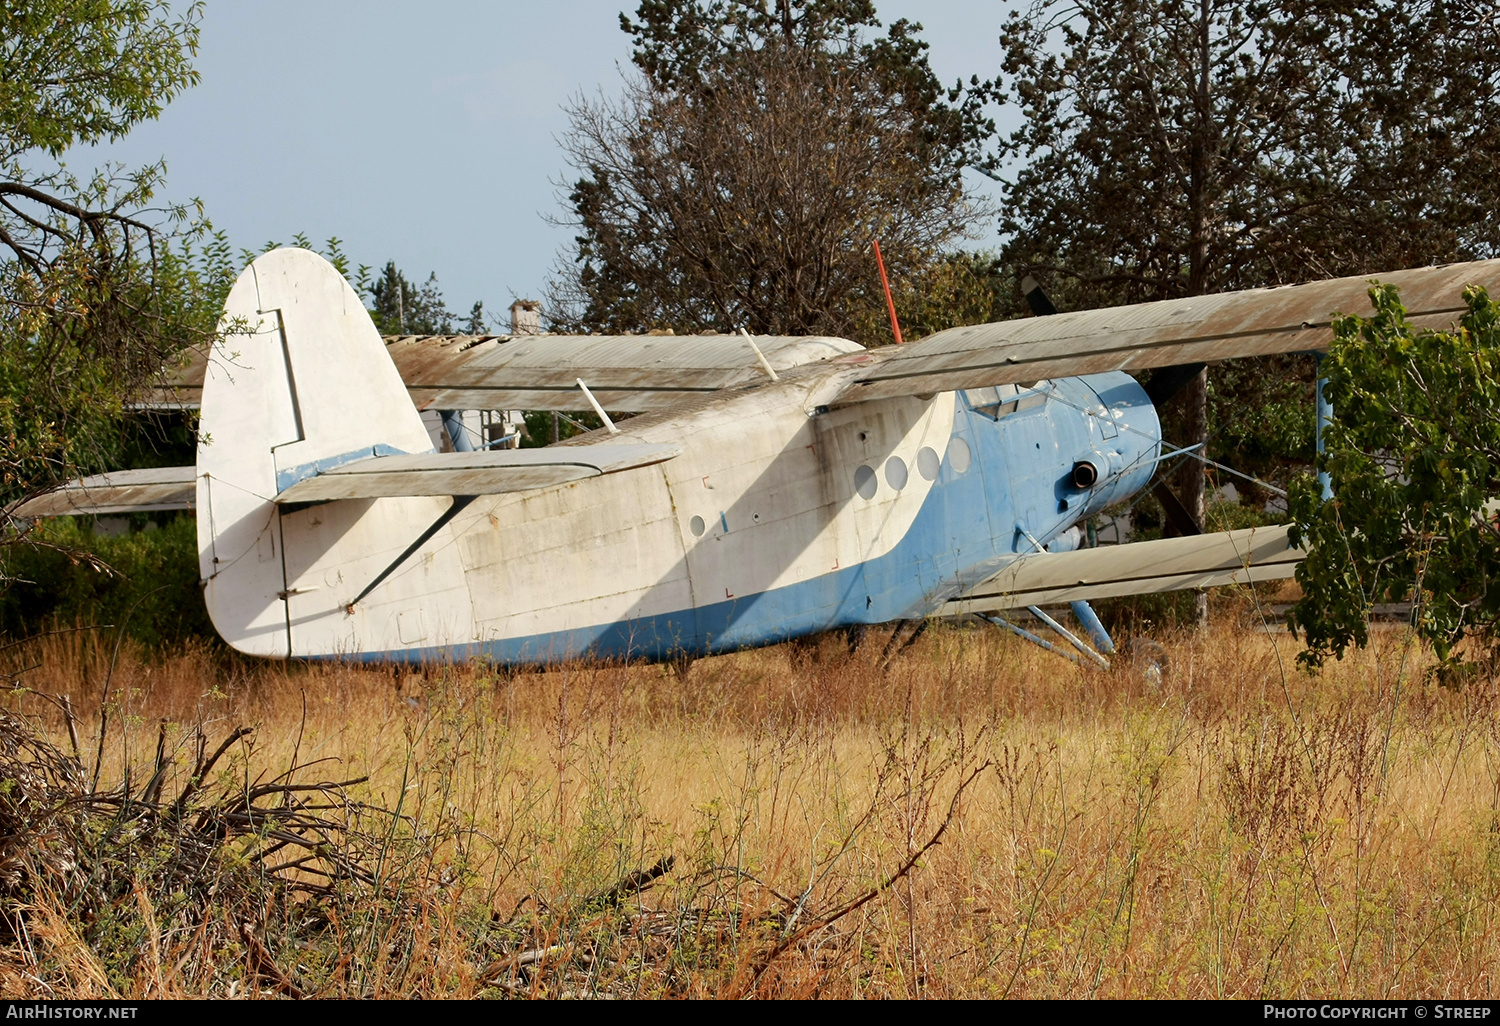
1136	568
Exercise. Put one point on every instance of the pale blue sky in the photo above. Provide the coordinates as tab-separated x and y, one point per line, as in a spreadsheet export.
421	132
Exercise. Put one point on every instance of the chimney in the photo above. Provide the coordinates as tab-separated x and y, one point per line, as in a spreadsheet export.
526	317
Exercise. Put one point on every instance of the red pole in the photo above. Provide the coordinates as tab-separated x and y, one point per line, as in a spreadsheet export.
890	304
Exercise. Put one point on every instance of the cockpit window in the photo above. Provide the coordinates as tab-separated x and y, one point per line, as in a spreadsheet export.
1003	400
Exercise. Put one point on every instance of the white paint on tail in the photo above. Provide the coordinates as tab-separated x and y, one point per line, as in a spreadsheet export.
300	376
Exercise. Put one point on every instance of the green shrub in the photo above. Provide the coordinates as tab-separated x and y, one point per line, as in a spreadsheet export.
53	579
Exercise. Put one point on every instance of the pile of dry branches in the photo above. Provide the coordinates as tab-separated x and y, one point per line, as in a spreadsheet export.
87	872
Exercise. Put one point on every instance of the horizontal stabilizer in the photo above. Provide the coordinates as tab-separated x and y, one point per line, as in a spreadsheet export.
472	473
121	491
1135	568
1199	329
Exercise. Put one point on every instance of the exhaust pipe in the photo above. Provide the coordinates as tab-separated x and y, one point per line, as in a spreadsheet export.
1085	474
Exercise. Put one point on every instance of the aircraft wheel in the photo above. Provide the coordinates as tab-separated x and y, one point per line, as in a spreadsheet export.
1149	659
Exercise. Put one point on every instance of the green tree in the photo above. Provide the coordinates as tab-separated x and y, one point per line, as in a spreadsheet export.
1181	147
1414	458
740	179
396	305
476	325
400	308
97	293
950	288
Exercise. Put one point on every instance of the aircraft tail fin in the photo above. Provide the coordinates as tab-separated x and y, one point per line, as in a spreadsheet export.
300	381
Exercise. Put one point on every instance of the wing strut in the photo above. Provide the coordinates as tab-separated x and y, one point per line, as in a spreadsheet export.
608	424
1084	613
1165	382
1040	303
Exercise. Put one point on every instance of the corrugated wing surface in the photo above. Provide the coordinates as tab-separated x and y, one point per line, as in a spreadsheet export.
1137	568
122	491
1203	329
626	373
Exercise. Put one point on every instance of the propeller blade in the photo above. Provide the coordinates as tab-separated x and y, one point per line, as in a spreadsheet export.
1177	514
1036	298
1168	381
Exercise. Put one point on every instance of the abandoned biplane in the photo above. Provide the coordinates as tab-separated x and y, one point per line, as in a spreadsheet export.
769	488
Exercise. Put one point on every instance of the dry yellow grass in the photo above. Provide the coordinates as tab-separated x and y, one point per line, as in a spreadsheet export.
1244	830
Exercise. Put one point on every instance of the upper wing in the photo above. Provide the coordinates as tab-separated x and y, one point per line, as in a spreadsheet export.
629	373
121	491
472	473
1202	329
1135	568
626	373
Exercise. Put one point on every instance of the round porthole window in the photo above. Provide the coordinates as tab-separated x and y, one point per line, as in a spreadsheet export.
697	526
928	463
958	455
864	482
895	472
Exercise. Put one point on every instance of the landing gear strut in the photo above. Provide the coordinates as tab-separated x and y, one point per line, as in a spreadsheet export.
1087	618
